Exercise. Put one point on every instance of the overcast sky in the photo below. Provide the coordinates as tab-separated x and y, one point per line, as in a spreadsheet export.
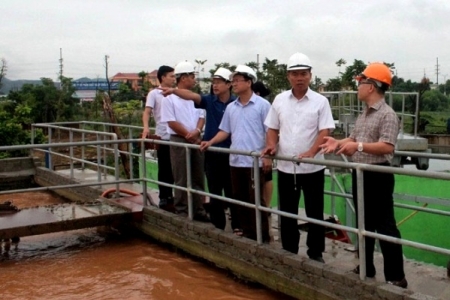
141	35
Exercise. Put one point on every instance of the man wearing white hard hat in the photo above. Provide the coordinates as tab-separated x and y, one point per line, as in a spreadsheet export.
244	121
217	167
298	121
185	124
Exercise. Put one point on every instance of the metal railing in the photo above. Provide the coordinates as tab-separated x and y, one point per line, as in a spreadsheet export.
330	164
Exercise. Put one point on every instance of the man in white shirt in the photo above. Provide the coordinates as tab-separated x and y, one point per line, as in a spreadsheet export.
298	121
185	124
153	105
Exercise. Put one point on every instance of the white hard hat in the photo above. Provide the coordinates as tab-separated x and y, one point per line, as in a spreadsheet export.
298	61
222	73
184	67
243	69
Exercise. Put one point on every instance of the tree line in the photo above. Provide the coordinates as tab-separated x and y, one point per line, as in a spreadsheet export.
54	102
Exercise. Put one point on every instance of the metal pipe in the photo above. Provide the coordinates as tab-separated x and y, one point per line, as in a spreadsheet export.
71	154
256	182
361	225
82	147
189	184
130	149
144	174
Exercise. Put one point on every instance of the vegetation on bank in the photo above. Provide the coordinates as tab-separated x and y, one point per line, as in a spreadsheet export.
53	102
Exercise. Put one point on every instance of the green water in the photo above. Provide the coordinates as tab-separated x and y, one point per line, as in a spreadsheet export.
422	227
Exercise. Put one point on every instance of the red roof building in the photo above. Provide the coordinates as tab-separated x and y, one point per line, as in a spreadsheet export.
135	81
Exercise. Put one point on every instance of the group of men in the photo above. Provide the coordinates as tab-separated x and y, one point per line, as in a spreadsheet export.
297	124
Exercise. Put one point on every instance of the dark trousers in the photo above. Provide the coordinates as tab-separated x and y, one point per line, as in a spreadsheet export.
164	171
379	217
289	191
217	169
179	170
243	189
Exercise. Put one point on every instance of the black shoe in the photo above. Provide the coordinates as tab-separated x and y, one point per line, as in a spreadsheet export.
369	272
202	218
163	202
317	258
402	283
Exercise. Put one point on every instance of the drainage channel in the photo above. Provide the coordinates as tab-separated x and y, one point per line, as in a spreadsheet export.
68	216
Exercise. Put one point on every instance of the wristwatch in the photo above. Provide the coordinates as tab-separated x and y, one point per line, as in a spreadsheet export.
360	147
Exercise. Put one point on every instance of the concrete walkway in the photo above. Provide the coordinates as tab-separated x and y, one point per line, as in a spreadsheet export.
422	278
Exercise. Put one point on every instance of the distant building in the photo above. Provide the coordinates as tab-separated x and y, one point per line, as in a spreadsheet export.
134	81
86	88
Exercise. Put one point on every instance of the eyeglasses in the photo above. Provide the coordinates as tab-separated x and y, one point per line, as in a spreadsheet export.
364	82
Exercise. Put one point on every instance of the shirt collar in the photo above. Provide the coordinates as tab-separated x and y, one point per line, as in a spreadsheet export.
307	96
216	98
377	105
252	100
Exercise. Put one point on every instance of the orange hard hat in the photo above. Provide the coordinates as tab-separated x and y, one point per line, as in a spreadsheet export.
377	71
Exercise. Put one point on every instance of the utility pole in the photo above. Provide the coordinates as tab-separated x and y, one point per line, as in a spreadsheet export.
437	70
60	68
257	62
107	78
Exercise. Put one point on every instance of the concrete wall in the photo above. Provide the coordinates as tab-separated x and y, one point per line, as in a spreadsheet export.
46	177
17	173
275	268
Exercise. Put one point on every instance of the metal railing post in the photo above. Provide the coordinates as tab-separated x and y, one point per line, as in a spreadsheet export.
71	153
333	188
256	182
50	163
130	150
82	147
99	162
105	172
32	139
361	221
144	174
189	184
417	116
116	166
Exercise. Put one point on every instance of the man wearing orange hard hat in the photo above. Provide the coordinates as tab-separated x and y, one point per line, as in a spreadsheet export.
373	142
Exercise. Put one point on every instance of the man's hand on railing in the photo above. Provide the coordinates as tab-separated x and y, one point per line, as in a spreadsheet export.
205	145
145	133
269	150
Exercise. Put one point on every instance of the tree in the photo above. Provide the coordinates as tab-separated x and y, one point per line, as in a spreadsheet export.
434	100
334	84
340	63
274	75
126	93
351	72
316	83
225	65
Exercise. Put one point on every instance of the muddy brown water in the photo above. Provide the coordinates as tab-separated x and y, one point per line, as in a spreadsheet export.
101	263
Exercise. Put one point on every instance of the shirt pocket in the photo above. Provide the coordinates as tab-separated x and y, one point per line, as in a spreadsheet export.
309	120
